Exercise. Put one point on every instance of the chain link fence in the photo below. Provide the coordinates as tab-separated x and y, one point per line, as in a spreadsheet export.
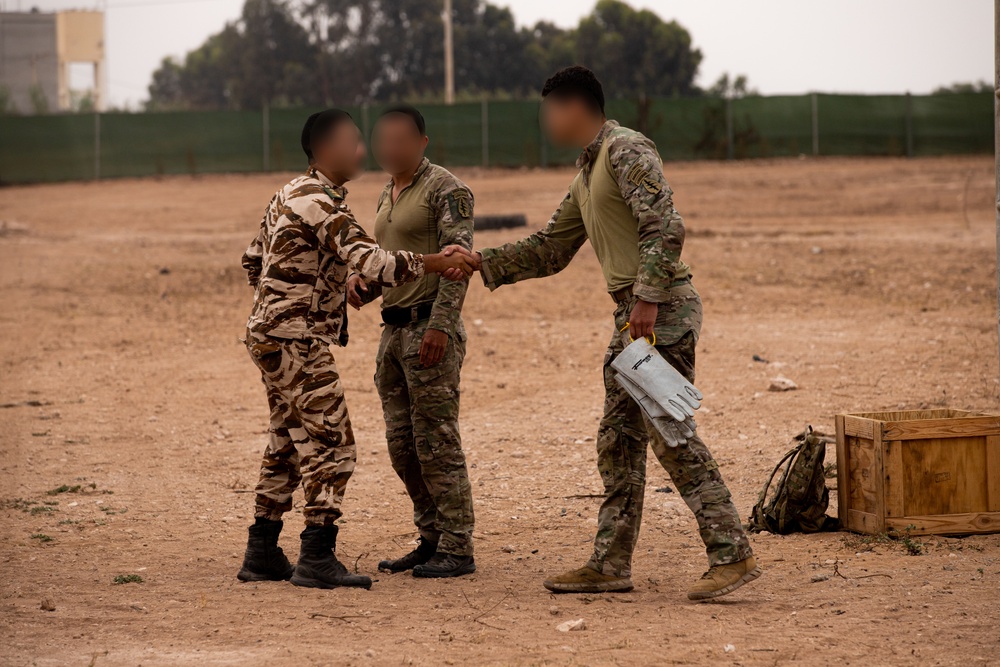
497	134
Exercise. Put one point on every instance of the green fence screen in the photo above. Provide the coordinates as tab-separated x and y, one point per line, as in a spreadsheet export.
497	134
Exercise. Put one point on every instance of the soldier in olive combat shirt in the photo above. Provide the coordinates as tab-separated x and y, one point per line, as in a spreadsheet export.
423	208
621	202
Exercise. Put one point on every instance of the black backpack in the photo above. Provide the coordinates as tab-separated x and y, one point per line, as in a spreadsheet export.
800	498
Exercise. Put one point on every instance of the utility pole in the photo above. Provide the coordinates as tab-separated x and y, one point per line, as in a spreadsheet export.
996	135
449	56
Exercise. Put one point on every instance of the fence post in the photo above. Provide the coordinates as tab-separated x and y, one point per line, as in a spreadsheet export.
815	123
730	149
909	124
97	145
266	136
485	121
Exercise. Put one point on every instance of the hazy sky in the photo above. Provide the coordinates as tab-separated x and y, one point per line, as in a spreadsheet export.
784	46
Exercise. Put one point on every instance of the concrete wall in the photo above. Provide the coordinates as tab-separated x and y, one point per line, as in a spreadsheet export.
28	58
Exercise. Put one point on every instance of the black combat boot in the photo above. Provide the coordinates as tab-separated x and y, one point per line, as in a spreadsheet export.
318	566
445	565
264	560
423	553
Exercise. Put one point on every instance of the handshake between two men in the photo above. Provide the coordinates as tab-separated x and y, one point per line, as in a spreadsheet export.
453	263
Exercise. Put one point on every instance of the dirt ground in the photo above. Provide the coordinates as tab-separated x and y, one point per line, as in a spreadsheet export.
870	283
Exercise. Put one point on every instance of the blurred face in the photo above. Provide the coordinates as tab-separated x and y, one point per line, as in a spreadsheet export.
342	152
398	144
562	118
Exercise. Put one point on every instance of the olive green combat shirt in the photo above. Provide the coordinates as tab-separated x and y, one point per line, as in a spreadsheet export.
434	211
619	200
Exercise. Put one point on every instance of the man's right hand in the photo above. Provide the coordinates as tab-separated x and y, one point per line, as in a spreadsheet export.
453	263
355	283
476	256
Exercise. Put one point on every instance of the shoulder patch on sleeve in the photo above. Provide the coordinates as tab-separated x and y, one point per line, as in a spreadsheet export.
332	195
460	203
639	176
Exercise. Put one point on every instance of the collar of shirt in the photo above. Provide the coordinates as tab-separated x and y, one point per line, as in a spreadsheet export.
421	168
338	190
590	152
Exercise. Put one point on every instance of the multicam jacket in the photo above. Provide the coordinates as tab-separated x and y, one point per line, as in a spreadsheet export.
307	246
434	211
620	200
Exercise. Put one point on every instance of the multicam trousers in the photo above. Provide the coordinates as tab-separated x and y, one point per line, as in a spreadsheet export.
421	427
311	437
621	452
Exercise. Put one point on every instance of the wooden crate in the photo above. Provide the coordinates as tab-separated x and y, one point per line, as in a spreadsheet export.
937	470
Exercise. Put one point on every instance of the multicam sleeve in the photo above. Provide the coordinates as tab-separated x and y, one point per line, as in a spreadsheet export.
340	233
454	206
639	172
253	258
544	253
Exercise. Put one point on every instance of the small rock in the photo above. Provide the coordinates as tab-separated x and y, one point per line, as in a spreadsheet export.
781	383
664	489
508	549
572	626
816	578
554	611
370	653
816	250
759	359
48	604
165	271
729	648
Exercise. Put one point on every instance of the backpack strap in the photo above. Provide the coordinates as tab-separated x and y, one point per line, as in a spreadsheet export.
757	516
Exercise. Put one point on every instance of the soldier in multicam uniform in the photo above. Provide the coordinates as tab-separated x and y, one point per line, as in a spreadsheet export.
622	203
423	208
308	244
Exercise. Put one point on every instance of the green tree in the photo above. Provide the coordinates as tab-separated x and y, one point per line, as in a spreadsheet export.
964	87
38	99
348	52
7	106
263	58
731	87
637	52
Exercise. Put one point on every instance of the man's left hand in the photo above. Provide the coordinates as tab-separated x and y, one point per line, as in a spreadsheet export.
432	347
640	324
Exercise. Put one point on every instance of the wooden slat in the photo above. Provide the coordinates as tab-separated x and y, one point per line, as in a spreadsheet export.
973	523
843	473
858	426
993	473
879	481
894	478
911	415
862	522
941	428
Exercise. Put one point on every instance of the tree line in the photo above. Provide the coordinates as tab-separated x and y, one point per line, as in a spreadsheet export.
323	52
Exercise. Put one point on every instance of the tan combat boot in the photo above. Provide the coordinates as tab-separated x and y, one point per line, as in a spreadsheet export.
722	579
588	580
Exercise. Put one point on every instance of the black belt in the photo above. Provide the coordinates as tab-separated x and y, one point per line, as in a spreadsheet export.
401	317
625	293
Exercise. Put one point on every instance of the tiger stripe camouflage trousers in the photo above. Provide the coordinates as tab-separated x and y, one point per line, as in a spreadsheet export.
311	441
625	434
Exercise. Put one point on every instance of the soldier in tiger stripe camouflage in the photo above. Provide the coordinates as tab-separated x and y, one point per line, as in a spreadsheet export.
307	245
